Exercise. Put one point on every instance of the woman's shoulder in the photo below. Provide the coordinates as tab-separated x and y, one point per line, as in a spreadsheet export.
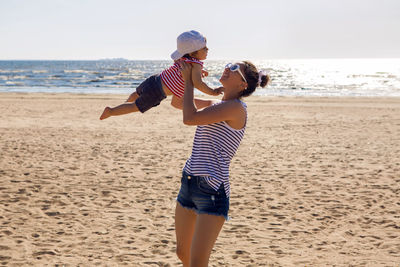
237	103
238	113
234	107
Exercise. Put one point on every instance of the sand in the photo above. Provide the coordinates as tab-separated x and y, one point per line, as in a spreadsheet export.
315	182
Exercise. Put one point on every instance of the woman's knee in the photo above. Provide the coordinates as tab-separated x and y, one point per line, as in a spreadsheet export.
183	254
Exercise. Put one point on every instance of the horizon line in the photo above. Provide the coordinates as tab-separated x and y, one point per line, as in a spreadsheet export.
213	59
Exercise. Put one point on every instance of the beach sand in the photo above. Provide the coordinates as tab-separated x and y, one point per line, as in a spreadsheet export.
315	182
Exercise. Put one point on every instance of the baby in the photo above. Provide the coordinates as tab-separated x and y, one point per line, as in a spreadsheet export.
191	49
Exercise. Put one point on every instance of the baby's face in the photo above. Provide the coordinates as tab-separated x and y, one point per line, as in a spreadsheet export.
202	53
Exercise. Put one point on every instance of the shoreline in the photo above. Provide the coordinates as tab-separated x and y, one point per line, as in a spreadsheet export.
111	95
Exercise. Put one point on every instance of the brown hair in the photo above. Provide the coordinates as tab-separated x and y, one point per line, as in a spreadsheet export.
251	75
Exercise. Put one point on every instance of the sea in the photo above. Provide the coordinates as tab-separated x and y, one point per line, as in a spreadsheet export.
295	77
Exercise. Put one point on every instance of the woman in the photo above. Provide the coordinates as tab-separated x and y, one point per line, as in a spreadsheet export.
203	199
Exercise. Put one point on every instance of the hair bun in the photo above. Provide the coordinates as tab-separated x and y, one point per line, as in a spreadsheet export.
263	78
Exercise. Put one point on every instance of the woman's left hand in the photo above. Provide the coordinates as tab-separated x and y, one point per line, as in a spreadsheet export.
186	70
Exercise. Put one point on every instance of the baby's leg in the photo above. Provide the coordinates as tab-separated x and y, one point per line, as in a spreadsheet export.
132	97
148	94
118	110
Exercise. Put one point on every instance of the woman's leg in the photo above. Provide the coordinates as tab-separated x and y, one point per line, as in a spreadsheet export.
185	220
206	231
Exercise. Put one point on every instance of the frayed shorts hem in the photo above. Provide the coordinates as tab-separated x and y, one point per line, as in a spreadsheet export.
198	212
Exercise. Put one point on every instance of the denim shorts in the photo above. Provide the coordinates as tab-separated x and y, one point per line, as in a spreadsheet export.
150	93
196	194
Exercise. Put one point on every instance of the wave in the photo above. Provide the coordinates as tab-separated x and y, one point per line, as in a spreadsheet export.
10	83
76	71
11	71
39	71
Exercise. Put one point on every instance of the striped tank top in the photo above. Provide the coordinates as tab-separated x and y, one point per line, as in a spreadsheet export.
172	77
214	146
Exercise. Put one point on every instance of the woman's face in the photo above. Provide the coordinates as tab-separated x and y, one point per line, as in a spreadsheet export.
232	79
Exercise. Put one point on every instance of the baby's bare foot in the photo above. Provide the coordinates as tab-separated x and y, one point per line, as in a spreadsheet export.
106	113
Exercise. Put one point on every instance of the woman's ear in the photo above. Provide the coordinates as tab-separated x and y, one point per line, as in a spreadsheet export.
243	86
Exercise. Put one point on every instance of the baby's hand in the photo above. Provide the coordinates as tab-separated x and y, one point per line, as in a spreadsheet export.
217	91
204	73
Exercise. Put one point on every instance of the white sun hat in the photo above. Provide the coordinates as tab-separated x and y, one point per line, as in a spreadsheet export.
188	42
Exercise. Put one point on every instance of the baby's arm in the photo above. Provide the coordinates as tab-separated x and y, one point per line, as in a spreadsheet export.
198	82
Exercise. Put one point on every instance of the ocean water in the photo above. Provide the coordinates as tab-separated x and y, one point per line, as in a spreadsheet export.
306	77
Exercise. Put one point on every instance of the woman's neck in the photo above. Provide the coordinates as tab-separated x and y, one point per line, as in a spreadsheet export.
227	97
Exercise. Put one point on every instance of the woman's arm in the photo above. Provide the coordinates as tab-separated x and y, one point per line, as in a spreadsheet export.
230	111
177	102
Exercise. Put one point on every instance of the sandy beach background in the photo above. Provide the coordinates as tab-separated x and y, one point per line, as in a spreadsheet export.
315	182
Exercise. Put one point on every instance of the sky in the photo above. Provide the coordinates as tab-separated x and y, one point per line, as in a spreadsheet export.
147	29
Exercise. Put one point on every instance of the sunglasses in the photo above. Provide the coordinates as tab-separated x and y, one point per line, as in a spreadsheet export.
235	67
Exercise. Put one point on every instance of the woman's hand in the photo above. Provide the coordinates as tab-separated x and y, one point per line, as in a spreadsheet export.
186	70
